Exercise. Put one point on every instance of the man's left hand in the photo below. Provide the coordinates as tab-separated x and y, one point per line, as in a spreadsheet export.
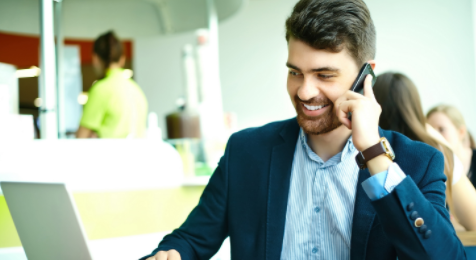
365	115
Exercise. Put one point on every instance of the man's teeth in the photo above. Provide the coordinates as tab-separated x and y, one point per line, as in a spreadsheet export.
313	107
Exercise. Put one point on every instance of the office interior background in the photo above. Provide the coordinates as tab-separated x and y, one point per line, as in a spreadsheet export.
155	182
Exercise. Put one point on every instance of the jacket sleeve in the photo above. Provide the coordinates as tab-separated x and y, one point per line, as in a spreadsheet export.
397	212
205	229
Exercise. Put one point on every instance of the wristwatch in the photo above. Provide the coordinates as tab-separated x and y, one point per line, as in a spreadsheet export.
382	147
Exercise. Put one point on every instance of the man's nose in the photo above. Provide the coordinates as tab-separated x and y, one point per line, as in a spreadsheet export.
309	89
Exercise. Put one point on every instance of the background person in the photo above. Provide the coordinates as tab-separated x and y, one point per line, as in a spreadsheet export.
402	112
116	107
450	123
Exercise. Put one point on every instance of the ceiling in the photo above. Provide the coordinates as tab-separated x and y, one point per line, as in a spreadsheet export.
128	18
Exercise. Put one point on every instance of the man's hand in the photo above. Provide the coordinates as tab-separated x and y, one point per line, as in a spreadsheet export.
365	115
166	255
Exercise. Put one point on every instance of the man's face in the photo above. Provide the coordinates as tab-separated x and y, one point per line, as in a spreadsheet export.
316	79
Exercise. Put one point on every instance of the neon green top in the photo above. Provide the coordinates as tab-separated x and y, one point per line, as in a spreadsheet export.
116	107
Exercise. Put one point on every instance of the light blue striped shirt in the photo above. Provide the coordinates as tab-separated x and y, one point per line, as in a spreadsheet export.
321	202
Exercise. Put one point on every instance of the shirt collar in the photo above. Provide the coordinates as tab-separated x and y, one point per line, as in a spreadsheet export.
346	153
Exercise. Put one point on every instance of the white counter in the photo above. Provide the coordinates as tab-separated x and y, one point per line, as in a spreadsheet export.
93	165
108	174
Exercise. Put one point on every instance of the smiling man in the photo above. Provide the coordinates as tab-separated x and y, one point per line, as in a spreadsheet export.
320	186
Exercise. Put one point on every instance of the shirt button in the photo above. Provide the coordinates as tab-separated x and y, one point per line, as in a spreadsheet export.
317	209
314	250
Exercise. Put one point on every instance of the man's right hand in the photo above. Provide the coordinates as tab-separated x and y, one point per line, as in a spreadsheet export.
166	255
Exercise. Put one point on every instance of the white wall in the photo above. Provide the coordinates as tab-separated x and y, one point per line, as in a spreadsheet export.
429	40
83	19
253	54
158	70
129	18
252	65
9	91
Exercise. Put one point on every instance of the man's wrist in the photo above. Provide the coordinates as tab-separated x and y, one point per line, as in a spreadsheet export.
378	164
372	141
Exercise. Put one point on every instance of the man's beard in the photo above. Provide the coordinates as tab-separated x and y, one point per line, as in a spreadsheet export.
320	124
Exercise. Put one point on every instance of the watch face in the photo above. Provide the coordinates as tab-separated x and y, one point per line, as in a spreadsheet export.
388	148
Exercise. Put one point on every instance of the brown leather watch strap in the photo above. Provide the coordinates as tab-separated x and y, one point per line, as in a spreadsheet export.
373	151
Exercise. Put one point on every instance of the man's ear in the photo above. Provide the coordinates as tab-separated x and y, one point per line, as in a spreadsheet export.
372	64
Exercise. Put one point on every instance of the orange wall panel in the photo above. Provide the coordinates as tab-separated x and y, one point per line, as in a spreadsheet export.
23	50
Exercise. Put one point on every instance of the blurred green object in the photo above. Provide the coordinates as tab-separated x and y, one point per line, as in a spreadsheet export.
202	169
193	156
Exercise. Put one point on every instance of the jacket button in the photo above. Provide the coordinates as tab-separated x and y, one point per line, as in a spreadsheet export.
427	234
423	229
419	222
414	215
410	206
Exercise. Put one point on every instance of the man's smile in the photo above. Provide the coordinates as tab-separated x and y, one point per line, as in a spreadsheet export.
313	111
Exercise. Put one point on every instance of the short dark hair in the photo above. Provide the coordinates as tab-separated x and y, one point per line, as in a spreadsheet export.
108	48
334	25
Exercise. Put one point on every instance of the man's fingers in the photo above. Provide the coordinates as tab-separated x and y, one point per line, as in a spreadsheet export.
368	91
353	95
166	255
161	255
174	255
342	111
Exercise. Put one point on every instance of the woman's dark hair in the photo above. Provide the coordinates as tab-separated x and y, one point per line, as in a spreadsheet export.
108	48
402	112
332	25
472	143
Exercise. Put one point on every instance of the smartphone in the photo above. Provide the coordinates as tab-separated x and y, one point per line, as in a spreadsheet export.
358	85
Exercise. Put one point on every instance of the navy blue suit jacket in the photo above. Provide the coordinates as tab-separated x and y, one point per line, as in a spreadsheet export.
247	196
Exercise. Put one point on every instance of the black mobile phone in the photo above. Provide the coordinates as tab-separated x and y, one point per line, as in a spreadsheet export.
358	85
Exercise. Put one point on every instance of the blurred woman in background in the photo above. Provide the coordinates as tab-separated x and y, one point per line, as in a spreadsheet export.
116	107
450	123
402	112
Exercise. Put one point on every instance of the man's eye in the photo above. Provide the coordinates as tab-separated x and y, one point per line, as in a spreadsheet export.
326	76
294	73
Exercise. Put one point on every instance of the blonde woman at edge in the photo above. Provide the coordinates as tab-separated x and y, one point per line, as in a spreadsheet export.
450	123
402	112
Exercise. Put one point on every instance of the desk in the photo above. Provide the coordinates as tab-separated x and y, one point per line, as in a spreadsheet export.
120	187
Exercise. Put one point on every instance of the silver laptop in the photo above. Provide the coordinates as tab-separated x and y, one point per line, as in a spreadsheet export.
46	220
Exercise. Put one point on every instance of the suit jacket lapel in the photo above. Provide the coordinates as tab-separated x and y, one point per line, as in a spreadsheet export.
278	190
364	215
